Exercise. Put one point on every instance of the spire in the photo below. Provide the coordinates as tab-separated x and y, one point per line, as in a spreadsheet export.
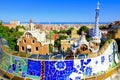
96	28
83	35
31	25
82	38
98	5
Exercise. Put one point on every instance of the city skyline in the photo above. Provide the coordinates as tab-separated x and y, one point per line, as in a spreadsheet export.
59	10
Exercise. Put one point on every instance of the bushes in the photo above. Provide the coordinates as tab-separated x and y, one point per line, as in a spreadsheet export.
11	35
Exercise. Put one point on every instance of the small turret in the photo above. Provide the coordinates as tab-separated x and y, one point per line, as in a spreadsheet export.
31	25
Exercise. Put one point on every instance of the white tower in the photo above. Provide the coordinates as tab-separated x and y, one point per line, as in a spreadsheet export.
96	34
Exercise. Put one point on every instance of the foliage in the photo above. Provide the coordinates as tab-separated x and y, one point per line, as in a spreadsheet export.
1	22
62	31
69	31
55	31
102	43
102	27
83	28
11	35
62	37
50	48
50	35
17	27
88	38
57	42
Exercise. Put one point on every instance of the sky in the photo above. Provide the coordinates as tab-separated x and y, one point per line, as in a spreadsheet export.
59	10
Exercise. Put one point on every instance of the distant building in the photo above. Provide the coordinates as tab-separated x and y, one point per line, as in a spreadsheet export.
66	44
33	42
56	36
15	22
25	25
21	29
115	26
116	34
10	25
74	34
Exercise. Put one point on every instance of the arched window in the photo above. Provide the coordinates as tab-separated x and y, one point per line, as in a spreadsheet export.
22	48
24	41
37	48
33	41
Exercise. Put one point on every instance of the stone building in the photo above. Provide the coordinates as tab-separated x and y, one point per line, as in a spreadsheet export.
74	34
66	44
33	42
116	34
81	46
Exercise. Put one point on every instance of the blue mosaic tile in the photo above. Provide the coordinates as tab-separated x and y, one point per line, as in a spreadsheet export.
88	71
110	57
77	78
88	61
13	67
82	68
102	59
61	78
60	74
23	74
34	68
96	62
60	65
10	71
74	70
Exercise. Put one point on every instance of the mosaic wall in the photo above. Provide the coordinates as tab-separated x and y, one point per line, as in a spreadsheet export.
63	69
5	61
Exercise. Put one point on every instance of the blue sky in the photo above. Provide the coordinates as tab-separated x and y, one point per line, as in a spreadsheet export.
59	10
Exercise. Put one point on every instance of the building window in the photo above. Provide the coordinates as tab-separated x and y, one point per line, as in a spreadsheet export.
22	48
37	49
24	41
28	50
33	41
28	35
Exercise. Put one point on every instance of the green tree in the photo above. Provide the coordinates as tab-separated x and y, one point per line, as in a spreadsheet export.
11	35
17	27
57	42
83	28
1	22
69	31
50	47
55	31
62	37
102	27
62	31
